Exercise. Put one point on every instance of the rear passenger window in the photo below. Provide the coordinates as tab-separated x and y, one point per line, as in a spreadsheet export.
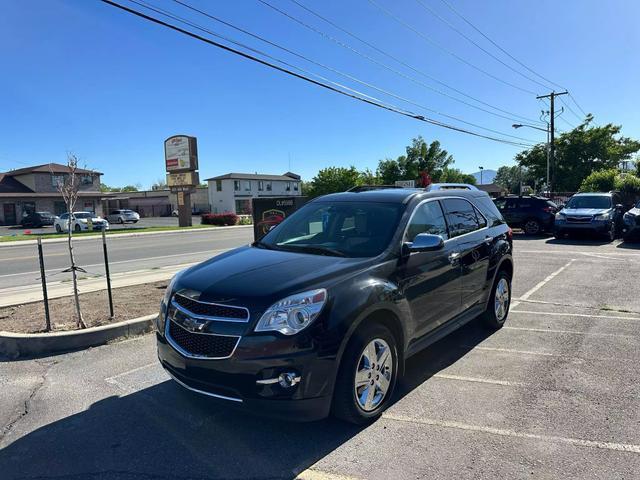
461	216
428	218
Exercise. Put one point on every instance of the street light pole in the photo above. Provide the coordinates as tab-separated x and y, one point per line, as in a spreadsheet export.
481	169
548	132
552	149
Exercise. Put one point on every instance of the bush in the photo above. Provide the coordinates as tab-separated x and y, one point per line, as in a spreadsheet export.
629	187
600	181
219	219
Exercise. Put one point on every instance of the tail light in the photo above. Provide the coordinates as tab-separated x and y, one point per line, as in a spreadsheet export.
549	209
510	234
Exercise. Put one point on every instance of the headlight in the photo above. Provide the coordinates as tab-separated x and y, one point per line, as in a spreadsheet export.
293	314
560	216
628	218
169	290
603	216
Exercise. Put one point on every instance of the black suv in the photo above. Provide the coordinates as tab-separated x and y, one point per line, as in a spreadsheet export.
37	219
532	214
320	315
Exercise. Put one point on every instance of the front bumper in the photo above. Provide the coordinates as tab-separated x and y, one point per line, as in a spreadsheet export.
594	226
233	380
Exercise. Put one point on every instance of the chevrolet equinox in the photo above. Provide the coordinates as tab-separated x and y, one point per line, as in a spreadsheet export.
320	315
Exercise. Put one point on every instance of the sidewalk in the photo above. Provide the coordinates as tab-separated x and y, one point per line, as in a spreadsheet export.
33	293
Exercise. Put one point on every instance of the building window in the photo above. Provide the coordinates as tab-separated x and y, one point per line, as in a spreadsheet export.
268	186
295	186
57	180
243	207
86	179
247	185
260	185
218	185
288	186
236	185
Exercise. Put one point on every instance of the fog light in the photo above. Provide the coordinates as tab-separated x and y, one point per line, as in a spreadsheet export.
288	379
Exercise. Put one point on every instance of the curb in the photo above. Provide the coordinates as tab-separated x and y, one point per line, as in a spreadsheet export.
20	345
21	243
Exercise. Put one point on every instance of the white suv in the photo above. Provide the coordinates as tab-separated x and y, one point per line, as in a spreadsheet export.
123	216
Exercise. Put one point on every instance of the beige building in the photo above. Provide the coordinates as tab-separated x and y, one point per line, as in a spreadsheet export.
34	189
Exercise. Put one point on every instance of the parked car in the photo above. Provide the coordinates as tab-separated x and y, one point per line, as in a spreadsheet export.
631	224
123	216
534	215
597	213
37	219
82	221
320	315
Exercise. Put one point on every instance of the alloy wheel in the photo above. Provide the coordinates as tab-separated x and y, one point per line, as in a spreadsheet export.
501	299
373	375
532	227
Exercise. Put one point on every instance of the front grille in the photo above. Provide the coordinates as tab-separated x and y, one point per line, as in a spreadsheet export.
202	344
211	309
578	219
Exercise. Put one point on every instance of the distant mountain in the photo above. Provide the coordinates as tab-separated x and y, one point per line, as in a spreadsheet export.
487	176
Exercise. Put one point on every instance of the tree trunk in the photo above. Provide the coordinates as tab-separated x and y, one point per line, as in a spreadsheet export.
76	296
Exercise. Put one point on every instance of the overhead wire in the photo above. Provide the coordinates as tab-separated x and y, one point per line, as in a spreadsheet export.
323	83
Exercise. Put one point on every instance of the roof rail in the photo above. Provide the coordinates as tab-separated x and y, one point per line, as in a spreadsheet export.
450	186
366	188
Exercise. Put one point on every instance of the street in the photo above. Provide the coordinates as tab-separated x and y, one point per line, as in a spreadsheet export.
553	394
19	264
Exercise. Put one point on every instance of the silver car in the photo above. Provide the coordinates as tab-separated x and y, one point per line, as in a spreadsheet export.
123	216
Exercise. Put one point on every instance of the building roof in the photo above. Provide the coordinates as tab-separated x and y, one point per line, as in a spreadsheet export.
9	185
255	176
48	168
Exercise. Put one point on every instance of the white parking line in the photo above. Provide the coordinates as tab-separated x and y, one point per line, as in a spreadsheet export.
113	380
312	474
545	281
579	442
584	315
479	380
573	332
576	252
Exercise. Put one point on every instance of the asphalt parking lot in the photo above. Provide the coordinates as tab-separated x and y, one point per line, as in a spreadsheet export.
554	394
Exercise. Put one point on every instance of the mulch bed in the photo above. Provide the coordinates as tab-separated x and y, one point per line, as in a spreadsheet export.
128	303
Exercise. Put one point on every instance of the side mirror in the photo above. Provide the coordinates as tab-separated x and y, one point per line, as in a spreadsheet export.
425	242
619	206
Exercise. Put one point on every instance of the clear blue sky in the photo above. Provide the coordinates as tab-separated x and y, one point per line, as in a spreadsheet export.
78	75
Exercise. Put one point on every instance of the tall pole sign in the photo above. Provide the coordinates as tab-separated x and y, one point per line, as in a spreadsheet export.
181	164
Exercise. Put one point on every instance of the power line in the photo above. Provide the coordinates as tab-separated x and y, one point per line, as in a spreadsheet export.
437	45
421	72
346	75
336	88
577	104
371	59
571	109
473	42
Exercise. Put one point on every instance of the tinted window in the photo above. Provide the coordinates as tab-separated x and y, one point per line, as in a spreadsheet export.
589	201
82	215
428	218
489	210
500	202
461	216
353	229
64	216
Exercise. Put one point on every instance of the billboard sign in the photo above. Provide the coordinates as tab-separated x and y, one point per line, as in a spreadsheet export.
182	179
269	212
180	153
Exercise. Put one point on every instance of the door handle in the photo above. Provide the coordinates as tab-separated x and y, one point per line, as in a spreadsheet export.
488	240
454	258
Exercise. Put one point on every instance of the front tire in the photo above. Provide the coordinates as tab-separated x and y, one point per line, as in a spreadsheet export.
367	376
58	229
498	307
77	228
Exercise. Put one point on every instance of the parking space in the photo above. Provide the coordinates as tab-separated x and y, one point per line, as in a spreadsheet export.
553	394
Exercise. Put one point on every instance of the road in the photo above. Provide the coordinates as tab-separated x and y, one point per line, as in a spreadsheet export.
19	264
554	394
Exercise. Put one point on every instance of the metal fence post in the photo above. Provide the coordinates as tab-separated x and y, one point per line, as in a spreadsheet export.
44	286
106	269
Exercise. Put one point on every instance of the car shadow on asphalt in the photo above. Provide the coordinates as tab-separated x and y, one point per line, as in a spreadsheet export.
163	431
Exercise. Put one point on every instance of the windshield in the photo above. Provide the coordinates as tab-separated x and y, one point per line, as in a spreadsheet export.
349	229
589	201
83	215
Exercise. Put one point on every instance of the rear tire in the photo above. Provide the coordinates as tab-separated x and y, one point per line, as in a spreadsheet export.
497	310
58	229
77	228
121	221
532	227
367	376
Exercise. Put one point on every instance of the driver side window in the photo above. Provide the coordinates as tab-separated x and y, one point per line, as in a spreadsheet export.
428	218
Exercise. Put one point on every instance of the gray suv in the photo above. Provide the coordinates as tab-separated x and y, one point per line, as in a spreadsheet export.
597	213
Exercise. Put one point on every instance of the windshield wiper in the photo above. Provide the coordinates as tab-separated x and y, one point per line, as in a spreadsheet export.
261	244
319	249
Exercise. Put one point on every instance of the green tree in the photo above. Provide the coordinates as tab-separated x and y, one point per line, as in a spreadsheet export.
579	152
455	175
510	178
420	157
600	181
130	188
333	179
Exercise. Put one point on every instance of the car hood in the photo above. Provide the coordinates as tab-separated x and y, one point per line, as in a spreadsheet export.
634	211
585	211
250	273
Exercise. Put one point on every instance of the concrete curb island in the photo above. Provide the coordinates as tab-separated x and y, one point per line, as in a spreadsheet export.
20	345
20	243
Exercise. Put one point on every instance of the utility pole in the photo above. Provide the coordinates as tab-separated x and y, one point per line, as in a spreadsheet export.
552	147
